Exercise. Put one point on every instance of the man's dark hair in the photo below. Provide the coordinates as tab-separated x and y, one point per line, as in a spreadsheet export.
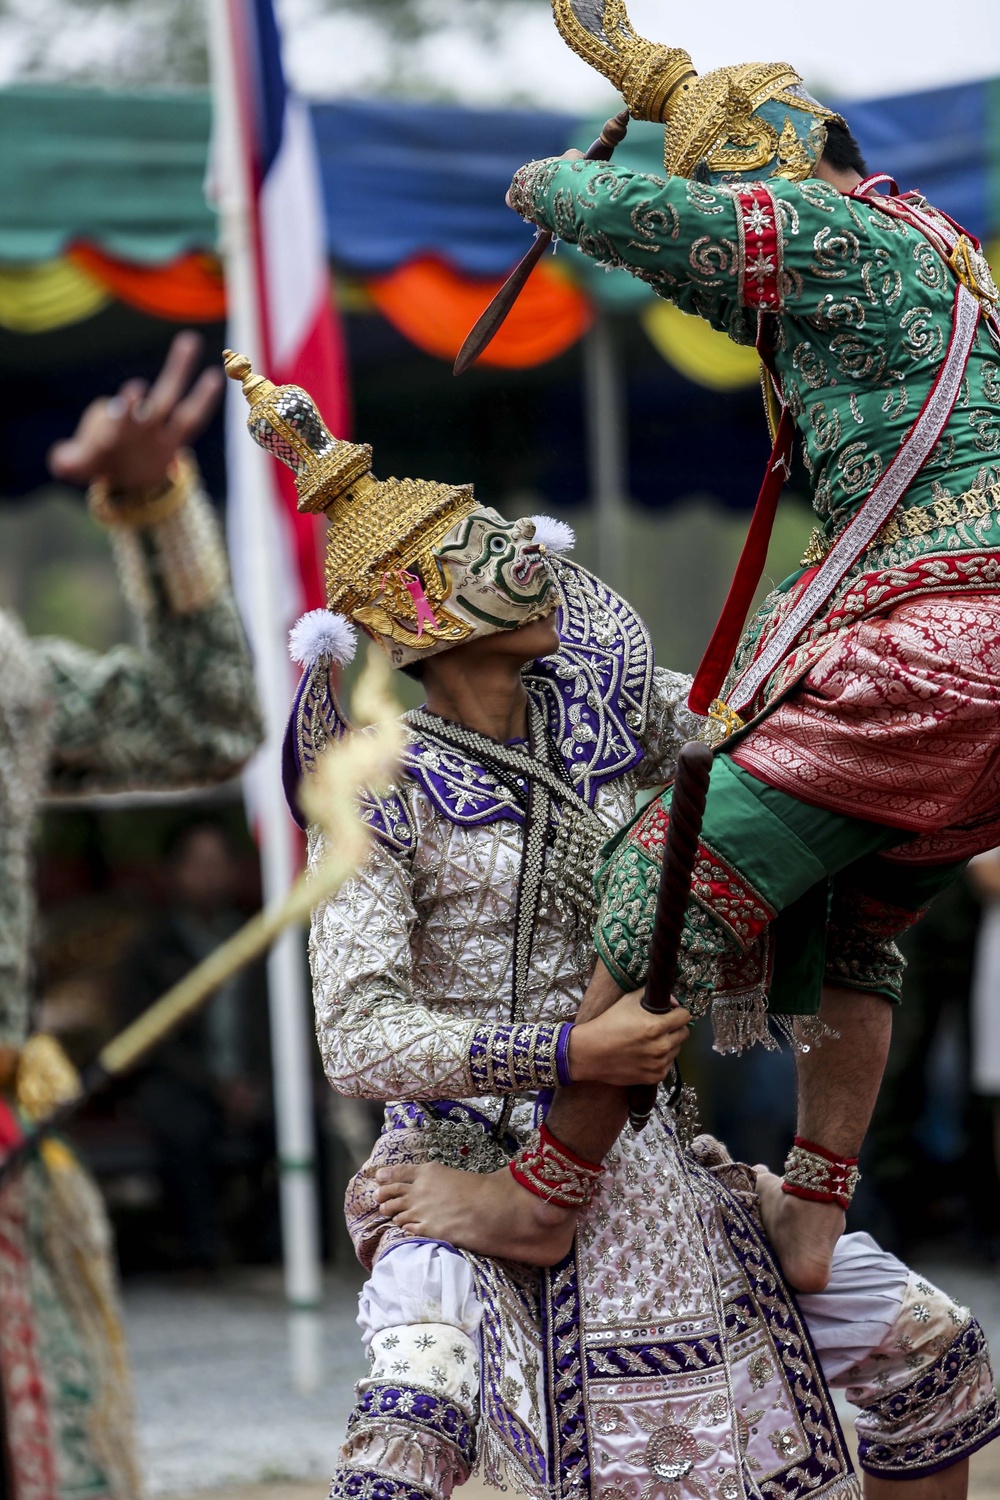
842	151
414	669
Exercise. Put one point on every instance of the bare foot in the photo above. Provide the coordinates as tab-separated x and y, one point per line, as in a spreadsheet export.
489	1213
802	1234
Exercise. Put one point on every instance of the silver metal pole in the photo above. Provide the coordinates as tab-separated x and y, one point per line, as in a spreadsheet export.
263	615
607	446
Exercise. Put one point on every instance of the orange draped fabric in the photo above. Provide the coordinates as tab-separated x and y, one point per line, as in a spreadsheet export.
434	307
429	303
189	289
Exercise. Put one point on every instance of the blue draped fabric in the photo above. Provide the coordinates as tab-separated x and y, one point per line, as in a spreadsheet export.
405	179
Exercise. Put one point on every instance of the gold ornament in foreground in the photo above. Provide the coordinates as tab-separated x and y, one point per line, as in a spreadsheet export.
45	1076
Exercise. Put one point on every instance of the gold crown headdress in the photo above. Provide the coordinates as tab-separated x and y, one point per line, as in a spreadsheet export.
747	120
419	565
381	533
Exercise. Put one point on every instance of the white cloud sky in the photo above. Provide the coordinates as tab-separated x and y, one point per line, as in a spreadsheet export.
848	48
852	48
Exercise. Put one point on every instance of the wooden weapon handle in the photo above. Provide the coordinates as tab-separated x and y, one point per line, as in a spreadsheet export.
489	321
687	809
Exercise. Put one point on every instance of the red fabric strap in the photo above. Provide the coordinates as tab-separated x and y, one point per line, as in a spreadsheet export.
818	1175
721	649
760	249
552	1171
760	288
869	185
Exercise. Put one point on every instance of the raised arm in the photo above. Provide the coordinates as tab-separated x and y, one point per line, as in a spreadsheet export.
377	1038
724	253
179	707
676	235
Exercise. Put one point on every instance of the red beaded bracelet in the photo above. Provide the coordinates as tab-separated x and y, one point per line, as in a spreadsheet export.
552	1171
818	1175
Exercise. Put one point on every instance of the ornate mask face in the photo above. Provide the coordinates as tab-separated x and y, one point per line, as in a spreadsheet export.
482	575
418	565
499	576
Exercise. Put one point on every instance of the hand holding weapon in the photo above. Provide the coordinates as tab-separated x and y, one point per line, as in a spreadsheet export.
488	324
687	808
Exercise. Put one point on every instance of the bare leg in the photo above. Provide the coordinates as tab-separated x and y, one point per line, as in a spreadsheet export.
951	1484
493	1214
838	1083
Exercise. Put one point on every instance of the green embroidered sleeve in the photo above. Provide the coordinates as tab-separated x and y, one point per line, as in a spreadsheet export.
179	708
677	235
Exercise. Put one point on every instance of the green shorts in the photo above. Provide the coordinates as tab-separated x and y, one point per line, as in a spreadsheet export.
785	896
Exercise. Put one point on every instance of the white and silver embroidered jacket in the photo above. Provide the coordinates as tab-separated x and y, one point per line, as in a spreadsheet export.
412	960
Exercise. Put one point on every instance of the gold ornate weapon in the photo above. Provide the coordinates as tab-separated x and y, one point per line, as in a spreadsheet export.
48	1087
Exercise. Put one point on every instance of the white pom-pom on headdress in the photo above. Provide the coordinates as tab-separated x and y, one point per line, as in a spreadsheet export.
322	635
557	536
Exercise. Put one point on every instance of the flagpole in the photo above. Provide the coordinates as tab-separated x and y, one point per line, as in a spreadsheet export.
287	989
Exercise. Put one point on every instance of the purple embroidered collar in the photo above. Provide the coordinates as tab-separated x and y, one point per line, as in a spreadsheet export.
594	694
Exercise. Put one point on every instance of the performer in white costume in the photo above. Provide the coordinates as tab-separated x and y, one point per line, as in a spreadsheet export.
663	1357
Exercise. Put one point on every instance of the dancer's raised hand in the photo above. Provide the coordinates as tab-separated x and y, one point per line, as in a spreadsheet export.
130	439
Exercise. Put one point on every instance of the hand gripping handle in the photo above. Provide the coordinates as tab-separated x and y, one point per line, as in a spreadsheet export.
489	321
687	808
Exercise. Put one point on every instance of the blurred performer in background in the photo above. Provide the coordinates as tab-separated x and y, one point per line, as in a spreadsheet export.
984	876
204	1092
862	765
177	709
661	1349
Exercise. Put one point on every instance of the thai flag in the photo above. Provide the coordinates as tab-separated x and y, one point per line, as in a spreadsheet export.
266	181
266	184
290	328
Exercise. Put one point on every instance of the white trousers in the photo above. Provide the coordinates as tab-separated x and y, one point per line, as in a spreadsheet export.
427	1282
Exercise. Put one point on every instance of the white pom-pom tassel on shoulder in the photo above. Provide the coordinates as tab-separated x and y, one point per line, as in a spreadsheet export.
556	535
321	635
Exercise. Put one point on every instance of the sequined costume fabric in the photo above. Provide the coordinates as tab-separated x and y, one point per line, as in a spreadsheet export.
176	710
869	712
665	1358
899	722
412	961
859	308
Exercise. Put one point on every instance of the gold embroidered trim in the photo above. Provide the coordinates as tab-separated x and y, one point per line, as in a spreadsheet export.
148	507
946	510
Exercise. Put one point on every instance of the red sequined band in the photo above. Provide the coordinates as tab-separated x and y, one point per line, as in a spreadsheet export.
760	250
814	1173
552	1171
717	885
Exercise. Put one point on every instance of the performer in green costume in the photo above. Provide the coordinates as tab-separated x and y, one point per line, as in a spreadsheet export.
862	763
178	709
